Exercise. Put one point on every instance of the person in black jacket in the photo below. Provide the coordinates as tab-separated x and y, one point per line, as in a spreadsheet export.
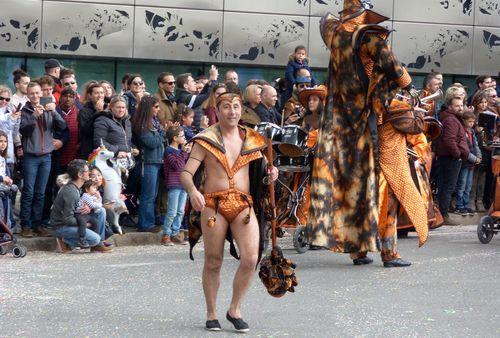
187	92
94	105
112	128
37	128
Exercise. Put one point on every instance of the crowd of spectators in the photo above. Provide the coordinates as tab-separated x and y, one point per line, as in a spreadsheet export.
50	126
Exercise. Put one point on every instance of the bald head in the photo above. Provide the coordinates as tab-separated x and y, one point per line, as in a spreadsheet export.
269	96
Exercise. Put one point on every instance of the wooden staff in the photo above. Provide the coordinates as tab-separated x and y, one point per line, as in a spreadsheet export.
269	155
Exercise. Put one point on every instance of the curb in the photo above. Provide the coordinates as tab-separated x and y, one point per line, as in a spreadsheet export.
131	238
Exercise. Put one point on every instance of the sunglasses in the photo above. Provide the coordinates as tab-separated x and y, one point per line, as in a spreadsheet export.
69	83
7	99
170	83
138	83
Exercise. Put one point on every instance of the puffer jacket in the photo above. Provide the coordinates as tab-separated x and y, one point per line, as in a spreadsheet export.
115	134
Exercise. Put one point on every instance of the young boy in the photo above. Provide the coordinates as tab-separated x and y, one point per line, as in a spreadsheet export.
297	60
93	200
175	159
464	183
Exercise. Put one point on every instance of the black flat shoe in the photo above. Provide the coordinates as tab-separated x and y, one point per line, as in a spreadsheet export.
239	324
362	261
396	263
213	325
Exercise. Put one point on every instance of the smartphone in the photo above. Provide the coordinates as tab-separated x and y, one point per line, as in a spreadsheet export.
45	100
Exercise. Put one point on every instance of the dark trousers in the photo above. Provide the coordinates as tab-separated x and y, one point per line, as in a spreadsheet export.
449	168
488	181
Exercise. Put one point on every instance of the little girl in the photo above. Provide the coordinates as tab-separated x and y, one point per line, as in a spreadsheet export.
173	164
6	186
92	199
186	118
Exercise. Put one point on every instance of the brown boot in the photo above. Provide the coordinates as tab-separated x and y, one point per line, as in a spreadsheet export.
165	240
27	232
177	239
100	248
62	247
41	232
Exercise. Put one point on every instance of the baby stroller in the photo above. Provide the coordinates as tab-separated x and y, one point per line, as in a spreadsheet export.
490	224
8	243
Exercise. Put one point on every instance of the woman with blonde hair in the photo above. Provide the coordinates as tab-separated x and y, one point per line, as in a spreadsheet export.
251	99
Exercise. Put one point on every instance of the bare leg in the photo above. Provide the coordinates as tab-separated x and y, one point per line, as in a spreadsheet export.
213	240
247	239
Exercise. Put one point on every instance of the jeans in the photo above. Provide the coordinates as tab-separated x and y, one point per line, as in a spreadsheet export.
71	237
36	170
464	186
449	168
149	188
175	211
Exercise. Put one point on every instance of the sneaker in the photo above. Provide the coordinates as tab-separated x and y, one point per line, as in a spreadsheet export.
239	324
27	232
107	244
41	232
449	221
213	325
165	240
62	247
471	211
177	239
463	212
100	248
83	244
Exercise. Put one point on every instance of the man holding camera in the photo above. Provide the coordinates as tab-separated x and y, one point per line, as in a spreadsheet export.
37	128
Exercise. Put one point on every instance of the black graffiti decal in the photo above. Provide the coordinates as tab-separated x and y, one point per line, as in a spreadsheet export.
169	27
489	7
492	42
328	2
279	32
88	29
12	30
446	42
466	5
302	2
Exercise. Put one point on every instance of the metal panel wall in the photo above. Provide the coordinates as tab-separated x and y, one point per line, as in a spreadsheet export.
486	50
423	47
321	7
87	29
177	34
20	26
261	38
293	7
435	11
190	4
430	34
487	13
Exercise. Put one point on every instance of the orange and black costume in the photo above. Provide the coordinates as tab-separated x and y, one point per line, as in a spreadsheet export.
231	202
364	75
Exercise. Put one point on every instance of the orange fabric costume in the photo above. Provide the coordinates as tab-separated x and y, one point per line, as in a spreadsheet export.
230	203
396	186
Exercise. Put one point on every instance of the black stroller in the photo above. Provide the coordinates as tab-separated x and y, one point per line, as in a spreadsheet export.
8	243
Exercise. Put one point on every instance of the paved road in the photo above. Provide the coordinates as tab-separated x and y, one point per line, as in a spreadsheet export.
451	290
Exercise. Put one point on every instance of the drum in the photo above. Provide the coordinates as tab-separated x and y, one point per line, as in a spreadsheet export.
275	130
297	164
293	141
